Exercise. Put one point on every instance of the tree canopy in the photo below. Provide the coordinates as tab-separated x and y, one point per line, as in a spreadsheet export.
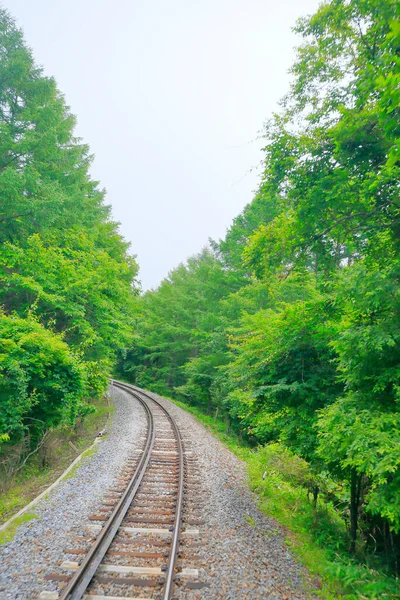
67	281
290	325
288	328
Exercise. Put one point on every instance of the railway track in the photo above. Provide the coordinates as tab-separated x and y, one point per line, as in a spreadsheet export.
134	551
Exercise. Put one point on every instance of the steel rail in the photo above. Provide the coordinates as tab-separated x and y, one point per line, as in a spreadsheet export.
168	588
81	579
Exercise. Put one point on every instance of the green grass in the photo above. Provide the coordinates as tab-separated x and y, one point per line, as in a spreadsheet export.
9	533
88	452
317	536
250	520
33	479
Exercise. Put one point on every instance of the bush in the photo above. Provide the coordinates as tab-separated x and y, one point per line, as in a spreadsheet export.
41	381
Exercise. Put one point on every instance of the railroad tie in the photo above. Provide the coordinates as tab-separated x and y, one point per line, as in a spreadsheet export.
155	481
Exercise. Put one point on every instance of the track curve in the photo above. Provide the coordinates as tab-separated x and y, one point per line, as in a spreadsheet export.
168	473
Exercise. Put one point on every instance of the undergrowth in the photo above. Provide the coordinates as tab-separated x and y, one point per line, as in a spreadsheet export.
317	535
35	477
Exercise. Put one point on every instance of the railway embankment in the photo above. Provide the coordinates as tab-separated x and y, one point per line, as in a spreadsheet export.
22	482
237	551
62	516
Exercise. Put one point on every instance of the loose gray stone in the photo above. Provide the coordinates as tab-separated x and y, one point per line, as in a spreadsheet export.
38	546
242	553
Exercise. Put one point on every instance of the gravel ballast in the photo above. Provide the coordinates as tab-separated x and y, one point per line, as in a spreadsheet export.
241	553
38	546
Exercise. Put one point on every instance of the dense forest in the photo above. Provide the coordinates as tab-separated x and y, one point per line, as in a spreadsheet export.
67	282
289	327
287	330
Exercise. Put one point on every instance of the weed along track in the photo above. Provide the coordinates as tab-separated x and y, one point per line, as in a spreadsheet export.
142	540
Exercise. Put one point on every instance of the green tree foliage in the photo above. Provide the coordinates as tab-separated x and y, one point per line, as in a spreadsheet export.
40	378
67	292
281	372
181	329
298	342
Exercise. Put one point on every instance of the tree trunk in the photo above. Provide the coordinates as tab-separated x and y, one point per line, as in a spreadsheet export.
228	424
355	490
315	496
216	415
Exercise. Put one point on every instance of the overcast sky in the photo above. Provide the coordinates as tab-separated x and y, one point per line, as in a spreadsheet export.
171	96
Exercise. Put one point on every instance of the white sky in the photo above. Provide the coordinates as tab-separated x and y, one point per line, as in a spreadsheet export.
170	95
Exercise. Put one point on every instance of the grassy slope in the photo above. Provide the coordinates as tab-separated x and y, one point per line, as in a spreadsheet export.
33	480
316	536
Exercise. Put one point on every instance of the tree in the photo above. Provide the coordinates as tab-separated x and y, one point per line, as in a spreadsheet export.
67	282
298	341
359	433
